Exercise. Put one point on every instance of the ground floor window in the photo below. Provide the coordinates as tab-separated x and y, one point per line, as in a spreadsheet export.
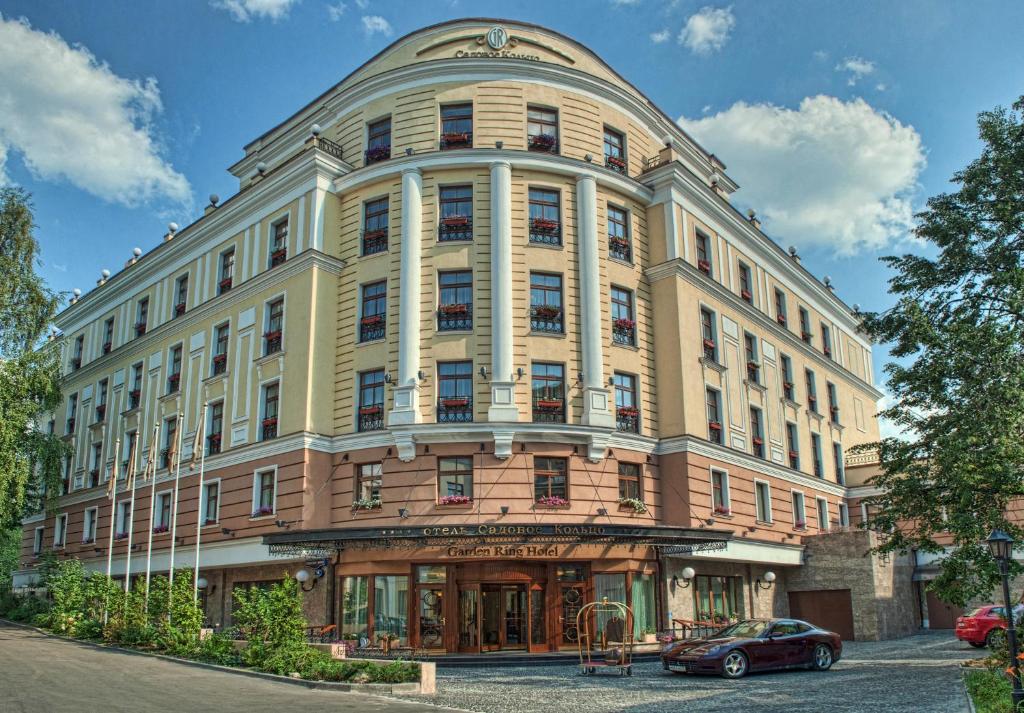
645	616
354	609
718	599
612	587
390	606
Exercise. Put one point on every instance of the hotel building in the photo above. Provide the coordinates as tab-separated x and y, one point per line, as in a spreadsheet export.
481	338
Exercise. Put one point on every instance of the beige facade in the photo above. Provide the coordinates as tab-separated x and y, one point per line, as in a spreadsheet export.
419	284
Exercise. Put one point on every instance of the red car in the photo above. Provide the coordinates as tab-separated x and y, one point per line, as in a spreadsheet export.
983	626
755	645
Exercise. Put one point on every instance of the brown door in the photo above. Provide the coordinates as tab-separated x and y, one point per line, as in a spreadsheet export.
940	614
830	609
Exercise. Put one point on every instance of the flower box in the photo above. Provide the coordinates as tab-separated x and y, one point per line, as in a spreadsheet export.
378	153
270	422
107	346
373	319
704	266
263	510
624	323
375	234
714	425
272	334
220	358
455	309
620	243
120	535
369	410
225	284
88	540
615	161
366	504
160	529
637	505
542	141
455	500
179	309
101	409
745	294
827	352
753	365
793	455
722	510
76	363
216	437
787	385
552	501
209	521
547	311
627	411
140	328
455	138
800	525
806	336
544	225
279	254
455	402
455	221
812	401
709	343
548	404
781	319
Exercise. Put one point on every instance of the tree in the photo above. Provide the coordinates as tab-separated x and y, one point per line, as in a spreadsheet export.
29	367
958	324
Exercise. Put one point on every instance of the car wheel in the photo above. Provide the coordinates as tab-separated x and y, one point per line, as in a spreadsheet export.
822	658
995	638
977	645
735	665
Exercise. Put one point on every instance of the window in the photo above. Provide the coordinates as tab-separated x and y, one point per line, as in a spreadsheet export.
456	126
541	129
546	303
369	478
757	431
620	246
135	394
548	392
213	441
279	242
703	253
629	482
753	363
371	400
455	392
141	316
60	530
720	492
170	441
97	465
746	285
826	341
211	502
272	338
375	226
714	406
65	486
354	607
76	359
545	217
623	319
822	507
805	325
627	411
718	599
174	370
101	400
108	335
162	512
707	333
374	305
799	517
792	443
837	458
378	140
455	309
550	484
819	470
456	220
812	391
844	515
180	295
37	541
787	378
264	493
72	412
124	520
220	349
833	402
455	480
89	526
763	498
269	425
614	150
781	315
227	271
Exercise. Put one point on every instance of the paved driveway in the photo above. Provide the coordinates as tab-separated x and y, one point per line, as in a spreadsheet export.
41	674
919	674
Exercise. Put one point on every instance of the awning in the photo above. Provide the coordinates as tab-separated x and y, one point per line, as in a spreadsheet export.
672	540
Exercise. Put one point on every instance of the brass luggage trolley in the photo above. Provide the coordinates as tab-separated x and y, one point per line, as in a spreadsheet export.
613	644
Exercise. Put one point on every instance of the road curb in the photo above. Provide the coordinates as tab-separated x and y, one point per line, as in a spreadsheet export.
964	670
380	689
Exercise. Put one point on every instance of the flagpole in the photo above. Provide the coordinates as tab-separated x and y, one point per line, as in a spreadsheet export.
174	513
200	429
112	492
150	472
130	483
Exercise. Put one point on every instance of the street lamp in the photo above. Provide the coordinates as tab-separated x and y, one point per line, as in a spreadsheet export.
1001	546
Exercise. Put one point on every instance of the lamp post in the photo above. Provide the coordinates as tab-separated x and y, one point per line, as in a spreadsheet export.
1001	546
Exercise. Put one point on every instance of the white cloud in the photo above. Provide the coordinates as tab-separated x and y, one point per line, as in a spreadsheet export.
71	118
832	173
881	86
249	10
375	23
334	12
820	55
659	37
623	3
362	4
708	30
59	268
857	68
705	109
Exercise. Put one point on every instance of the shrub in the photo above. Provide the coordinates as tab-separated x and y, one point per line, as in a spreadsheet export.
271	620
177	628
66	586
22	607
990	691
218	649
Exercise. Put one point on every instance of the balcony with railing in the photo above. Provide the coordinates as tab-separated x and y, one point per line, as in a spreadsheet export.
375	241
272	341
455	409
377	154
545	231
372	327
213	443
620	249
617	164
330	148
545	143
455	318
649	164
546	318
371	418
549	410
268	428
455	227
624	331
627	419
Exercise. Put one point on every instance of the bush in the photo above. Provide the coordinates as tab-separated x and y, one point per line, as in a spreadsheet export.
66	586
22	607
218	649
271	620
990	691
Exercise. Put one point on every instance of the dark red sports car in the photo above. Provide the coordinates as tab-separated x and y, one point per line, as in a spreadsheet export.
755	645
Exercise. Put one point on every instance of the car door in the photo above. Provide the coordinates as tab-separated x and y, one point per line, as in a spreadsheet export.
768	651
780	646
801	645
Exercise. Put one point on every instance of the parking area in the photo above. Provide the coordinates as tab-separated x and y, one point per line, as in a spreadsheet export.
920	673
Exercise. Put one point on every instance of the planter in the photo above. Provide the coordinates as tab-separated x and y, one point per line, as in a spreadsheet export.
704	266
454	309
549	405
719	510
714	426
225	284
745	294
455	500
545	142
544	225
455	221
781	319
369	410
179	309
272	334
263	511
375	234
627	412
709	344
547	312
372	320
454	403
270	422
623	323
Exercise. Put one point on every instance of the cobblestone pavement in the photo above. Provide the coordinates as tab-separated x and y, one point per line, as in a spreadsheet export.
919	674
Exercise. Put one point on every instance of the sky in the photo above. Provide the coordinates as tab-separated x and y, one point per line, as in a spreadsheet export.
837	119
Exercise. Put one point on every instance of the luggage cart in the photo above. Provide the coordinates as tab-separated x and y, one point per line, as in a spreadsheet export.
613	645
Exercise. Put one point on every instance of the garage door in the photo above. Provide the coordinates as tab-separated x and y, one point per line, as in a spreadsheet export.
825	608
940	614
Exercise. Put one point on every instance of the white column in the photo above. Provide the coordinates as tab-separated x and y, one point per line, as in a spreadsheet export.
503	406
406	404
596	410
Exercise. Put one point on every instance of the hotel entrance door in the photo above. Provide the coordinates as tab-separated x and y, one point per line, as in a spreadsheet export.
505	621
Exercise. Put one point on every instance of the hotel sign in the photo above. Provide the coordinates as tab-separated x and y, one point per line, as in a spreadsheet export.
497	43
514	551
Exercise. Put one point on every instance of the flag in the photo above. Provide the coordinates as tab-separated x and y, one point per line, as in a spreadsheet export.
173	457
149	470
197	442
130	473
112	483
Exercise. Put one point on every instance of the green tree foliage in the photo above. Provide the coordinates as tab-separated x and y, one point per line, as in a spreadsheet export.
29	370
271	620
958	326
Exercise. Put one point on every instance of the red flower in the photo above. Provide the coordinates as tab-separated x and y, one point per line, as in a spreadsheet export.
745	294
455	402
714	425
368	410
455	220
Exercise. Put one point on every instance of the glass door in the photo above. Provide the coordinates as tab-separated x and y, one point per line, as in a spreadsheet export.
469	620
514	635
490	629
571	600
430	616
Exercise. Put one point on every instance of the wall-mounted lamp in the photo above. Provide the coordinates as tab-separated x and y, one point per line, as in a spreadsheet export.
588	158
602	511
421	375
688	574
408	151
387	377
403	513
520	373
483	372
202	583
499	144
227	531
504	509
303	576
766	580
579	376
611	381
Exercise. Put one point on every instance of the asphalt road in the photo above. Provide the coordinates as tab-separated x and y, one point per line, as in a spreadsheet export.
41	674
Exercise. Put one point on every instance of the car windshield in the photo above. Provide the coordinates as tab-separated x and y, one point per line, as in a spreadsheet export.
744	629
976	612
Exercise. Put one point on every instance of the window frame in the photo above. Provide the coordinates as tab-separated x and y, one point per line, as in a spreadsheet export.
793	445
60	526
781	308
90	521
786	364
558	414
542	202
805	326
38	540
753	358
540	324
377	329
628	478
542	146
377	149
615	151
159	499
626	414
838	462
821	505
361	386
703	251
257	492
768	502
458	474
757	432
226	264
817	458
376	237
450	315
360	479
746	282
793	493
722	490
180	300
623	313
205	502
550	475
617	229
716	402
454	137
277	244
273	339
455	213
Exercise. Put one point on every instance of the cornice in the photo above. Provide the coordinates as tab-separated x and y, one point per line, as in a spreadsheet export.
684	270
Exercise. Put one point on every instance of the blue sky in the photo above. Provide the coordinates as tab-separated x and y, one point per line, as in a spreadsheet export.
838	119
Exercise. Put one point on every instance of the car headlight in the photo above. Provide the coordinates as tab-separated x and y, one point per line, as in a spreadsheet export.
712	651
668	647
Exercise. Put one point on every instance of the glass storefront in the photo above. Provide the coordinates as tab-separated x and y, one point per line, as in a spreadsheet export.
644	606
718	599
391	607
354	609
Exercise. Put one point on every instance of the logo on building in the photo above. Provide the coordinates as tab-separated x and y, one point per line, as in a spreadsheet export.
497	38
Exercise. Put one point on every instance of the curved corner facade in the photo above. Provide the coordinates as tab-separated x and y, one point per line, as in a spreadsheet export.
481	331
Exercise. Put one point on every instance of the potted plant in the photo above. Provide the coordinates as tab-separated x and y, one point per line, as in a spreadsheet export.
714	425
263	510
225	283
455	500
160	529
366	504
543	142
636	504
375	234
272	334
279	255
106	347
544	225
650	636
455	138
378	153
624	323
120	535
552	501
547	311
722	510
179	309
709	344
